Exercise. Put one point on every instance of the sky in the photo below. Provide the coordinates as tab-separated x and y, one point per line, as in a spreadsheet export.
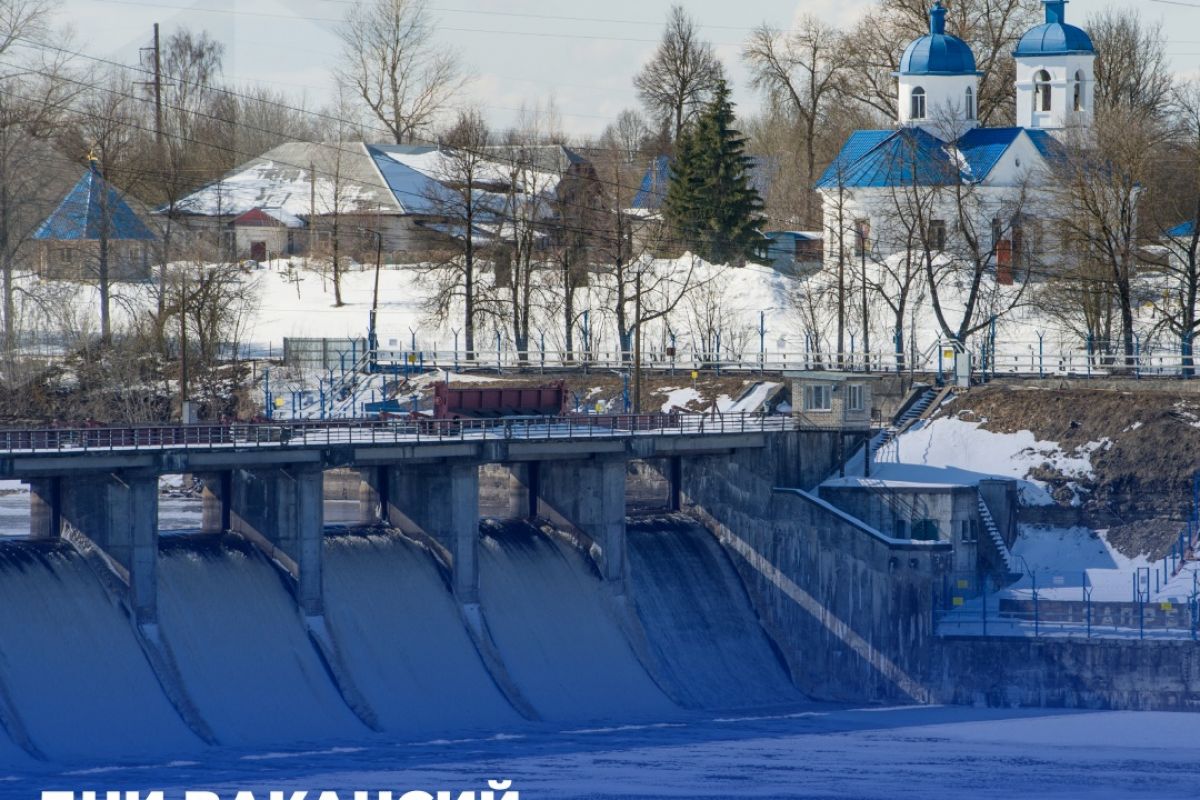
581	54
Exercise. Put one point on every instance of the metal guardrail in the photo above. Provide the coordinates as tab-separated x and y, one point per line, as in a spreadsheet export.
1017	362
301	434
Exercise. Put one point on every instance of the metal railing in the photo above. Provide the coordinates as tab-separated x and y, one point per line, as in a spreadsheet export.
379	432
1014	361
971	605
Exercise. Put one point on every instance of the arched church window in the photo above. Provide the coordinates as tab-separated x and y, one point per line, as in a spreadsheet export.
1079	90
970	104
1041	91
918	103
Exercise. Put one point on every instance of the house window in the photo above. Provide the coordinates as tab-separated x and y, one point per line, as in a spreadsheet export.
918	103
968	531
969	106
925	530
937	234
997	232
66	255
1041	91
854	397
818	397
1079	90
862	237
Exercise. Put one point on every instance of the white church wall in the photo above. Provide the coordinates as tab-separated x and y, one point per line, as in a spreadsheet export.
946	113
1062	70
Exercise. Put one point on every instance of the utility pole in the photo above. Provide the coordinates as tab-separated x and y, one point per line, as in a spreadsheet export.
155	51
158	115
637	343
184	416
312	209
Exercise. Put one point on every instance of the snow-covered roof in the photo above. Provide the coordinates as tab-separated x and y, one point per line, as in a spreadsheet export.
346	180
355	177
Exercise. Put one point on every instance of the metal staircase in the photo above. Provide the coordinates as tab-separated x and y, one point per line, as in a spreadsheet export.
885	446
993	533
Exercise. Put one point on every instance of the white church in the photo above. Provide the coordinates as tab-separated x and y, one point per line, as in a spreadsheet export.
918	186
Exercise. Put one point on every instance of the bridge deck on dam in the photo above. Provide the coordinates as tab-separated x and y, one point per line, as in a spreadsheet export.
181	448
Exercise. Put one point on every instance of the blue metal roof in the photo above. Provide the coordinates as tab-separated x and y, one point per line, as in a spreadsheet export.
909	156
1050	148
858	145
937	53
653	189
913	156
416	192
1183	229
82	214
983	147
1054	37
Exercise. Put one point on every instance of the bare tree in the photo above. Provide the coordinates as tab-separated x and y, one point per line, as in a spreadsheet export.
1131	62
1099	179
393	65
627	136
466	195
1177	220
803	73
107	126
34	89
681	76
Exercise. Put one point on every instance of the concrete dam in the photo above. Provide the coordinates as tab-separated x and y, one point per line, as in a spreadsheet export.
489	580
487	585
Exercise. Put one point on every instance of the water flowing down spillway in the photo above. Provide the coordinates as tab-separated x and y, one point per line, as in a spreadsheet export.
704	639
242	647
400	631
557	631
236	655
71	665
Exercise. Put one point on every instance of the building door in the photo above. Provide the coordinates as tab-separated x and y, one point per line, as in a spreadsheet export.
258	251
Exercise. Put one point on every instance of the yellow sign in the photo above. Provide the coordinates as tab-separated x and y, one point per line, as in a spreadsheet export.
962	584
1166	606
948	355
412	358
958	601
695	374
279	402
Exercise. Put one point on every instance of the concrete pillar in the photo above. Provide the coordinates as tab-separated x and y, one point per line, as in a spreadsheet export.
373	496
118	512
215	498
282	511
441	502
589	496
675	489
45	508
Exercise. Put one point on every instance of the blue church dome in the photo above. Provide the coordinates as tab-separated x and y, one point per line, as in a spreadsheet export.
1054	37
939	53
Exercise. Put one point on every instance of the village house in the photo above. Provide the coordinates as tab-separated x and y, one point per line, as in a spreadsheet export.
93	224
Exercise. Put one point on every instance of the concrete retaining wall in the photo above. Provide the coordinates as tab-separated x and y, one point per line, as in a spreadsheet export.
1068	673
849	608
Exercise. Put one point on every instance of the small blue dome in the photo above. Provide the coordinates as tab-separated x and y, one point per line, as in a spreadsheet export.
939	53
1054	37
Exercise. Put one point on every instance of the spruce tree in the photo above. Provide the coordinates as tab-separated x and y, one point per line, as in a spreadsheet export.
711	205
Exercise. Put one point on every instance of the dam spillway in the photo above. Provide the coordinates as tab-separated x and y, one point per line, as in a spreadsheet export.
489	588
83	686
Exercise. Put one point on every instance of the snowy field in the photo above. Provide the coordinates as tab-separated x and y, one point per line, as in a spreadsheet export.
819	751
